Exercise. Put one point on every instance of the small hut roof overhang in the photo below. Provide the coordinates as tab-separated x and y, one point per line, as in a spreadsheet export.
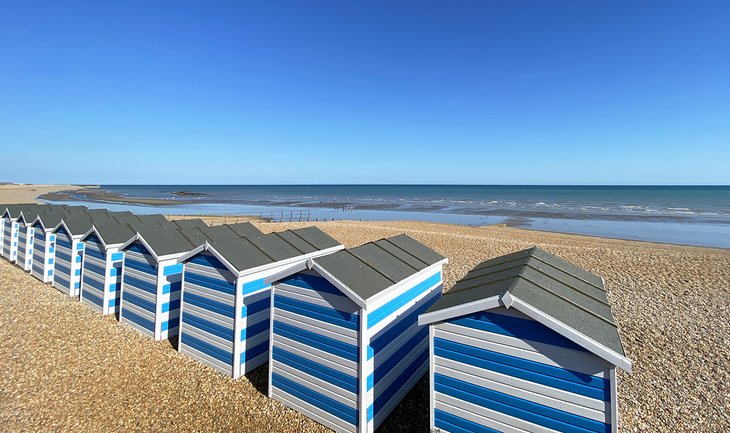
112	234
548	289
247	255
364	272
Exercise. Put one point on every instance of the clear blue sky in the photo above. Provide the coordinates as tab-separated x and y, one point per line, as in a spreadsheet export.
482	91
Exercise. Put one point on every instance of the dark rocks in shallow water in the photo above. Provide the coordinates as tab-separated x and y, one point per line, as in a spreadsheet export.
188	194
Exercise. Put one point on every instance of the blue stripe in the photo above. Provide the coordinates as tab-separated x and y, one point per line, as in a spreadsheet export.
77	272
314	398
93	252
139	301
515	327
327	374
207	260
114	271
256	307
93	298
384	396
61	281
217	284
207	326
112	303
63	270
50	261
63	256
139	320
252	286
454	424
326	344
255	351
172	269
207	348
384	368
312	282
579	383
79	246
140	284
172	305
210	305
94	283
140	266
117	257
329	315
399	301
90	267
171	323
517	407
382	340
255	329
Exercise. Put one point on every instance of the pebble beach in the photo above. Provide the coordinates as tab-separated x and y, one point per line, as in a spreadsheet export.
67	369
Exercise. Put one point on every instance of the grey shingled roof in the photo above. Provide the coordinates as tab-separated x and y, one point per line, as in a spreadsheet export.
548	283
373	267
113	233
245	229
190	223
250	252
164	242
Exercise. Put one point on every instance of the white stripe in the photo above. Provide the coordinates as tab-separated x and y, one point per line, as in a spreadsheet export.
311	411
327	359
319	330
316	384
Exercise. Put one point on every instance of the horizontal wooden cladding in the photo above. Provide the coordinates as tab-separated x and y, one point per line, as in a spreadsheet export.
503	372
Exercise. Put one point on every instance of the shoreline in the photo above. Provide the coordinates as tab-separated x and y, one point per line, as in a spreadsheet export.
34	193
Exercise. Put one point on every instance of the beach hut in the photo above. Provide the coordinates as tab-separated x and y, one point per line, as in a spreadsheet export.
151	281
3	209
226	301
44	243
69	250
10	232
102	265
101	275
525	342
24	258
346	346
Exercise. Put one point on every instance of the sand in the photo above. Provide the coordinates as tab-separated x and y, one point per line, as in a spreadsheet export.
10	194
65	368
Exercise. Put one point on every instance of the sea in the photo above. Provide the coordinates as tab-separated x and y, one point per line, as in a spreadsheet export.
693	215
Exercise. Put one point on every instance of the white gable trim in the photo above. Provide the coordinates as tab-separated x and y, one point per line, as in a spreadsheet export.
459	310
340	285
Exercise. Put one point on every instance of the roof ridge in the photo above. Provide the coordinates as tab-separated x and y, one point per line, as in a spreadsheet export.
297	235
569	273
575	289
287	242
349	251
396	246
580	307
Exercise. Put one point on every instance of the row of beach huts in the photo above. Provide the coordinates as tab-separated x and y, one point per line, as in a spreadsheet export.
523	343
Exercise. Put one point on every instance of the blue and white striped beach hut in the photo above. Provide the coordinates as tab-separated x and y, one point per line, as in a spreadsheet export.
151	281
525	342
346	346
24	258
69	251
101	276
10	232
226	300
44	242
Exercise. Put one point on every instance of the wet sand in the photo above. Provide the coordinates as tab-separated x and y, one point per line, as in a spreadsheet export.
11	194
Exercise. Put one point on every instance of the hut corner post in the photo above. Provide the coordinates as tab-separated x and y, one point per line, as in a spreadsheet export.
362	398
431	405
237	327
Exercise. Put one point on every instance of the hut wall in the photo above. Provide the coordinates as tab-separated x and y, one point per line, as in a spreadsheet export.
208	312
43	254
500	370
25	246
10	239
67	268
315	349
101	276
139	289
